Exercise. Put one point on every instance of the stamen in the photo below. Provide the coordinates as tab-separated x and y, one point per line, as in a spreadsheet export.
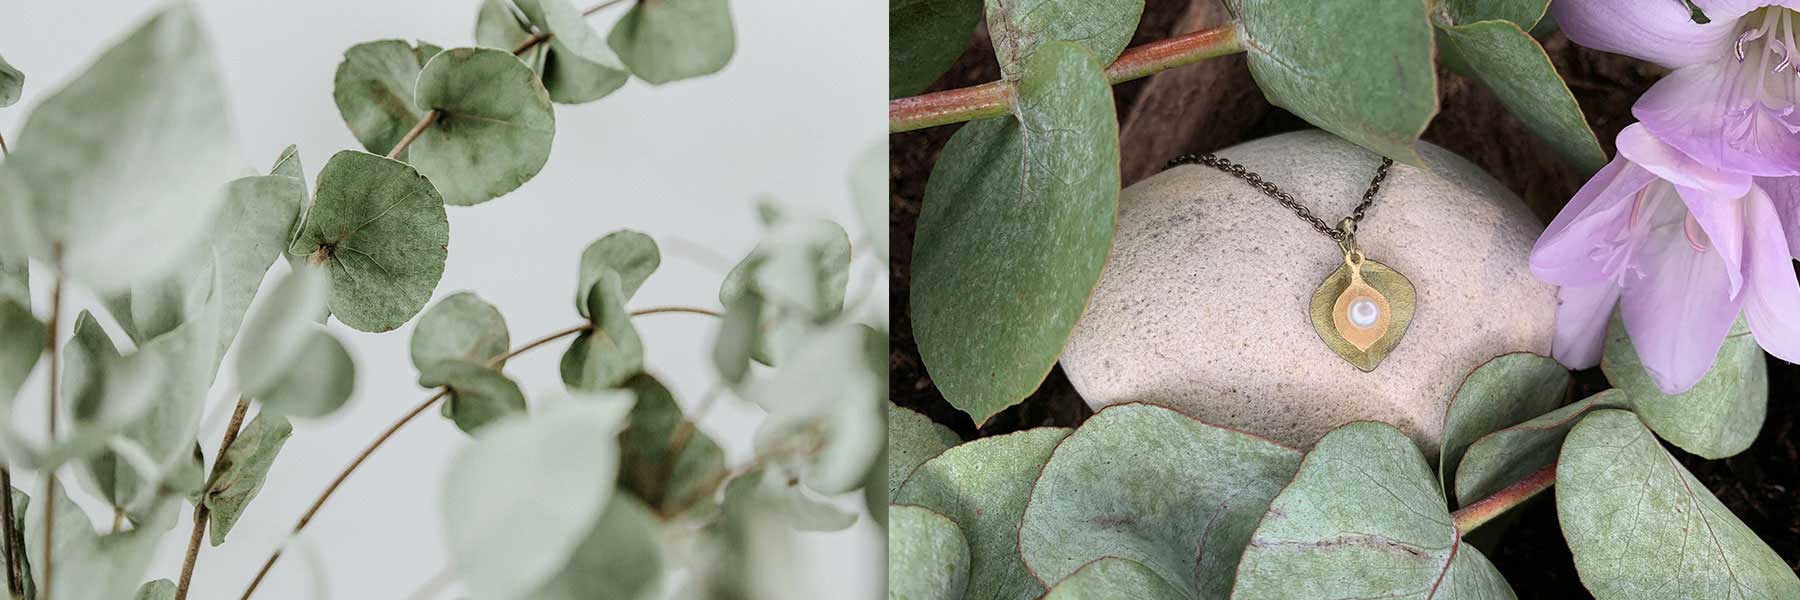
1746	36
1780	49
1696	237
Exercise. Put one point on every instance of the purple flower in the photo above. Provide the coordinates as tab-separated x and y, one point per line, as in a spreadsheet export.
1681	248
1730	102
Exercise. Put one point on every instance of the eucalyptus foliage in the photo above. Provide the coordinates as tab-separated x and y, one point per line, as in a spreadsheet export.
1019	210
1144	502
126	183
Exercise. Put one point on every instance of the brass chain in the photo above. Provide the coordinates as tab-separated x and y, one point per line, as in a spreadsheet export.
1337	234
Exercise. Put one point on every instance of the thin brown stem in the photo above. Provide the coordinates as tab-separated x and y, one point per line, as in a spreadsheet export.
531	42
15	586
1484	510
693	310
118	519
413	134
201	511
589	11
995	98
383	438
49	499
3	150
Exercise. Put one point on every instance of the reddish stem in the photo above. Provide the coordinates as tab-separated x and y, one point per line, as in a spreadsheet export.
994	98
1484	510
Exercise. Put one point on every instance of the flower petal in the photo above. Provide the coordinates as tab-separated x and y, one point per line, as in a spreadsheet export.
1661	32
1678	313
1711	112
1772	302
1638	145
1581	316
1596	216
1730	10
1785	194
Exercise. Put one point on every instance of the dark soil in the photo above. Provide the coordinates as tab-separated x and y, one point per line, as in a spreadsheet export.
1204	107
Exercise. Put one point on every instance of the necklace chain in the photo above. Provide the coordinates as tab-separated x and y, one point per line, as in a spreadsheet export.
1269	189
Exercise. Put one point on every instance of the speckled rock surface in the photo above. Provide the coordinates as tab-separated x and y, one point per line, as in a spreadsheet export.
1203	306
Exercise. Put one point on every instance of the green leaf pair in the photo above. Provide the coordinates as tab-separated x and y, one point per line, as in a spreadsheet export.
791	283
825	418
244	467
667	462
458	344
285	359
492	123
609	352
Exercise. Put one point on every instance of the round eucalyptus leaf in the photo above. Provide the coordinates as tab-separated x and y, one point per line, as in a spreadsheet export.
15	276
824	410
1523	13
519	502
1017	222
1091	503
21	342
672	472
1018	29
1113	577
983	486
1640	526
1363	518
275	331
161	589
631	254
379	228
493	129
479	394
463	327
913	438
117	175
927	556
373	90
1504	457
610	352
800	267
95	566
1502	392
1718	417
740	337
1515	68
242	470
668	40
11	83
317	382
621	557
924	38
1383	87
578	67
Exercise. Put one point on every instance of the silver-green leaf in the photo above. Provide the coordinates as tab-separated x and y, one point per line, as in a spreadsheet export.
1504	457
1640	526
913	438
461	326
379	228
610	352
1113	577
244	467
621	557
576	65
1716	418
117	175
667	461
479	394
928	559
1363	518
1502	392
373	89
12	82
493	128
668	40
983	486
1107	492
631	254
521	499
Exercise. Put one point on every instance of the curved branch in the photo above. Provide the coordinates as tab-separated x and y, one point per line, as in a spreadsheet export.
201	511
994	98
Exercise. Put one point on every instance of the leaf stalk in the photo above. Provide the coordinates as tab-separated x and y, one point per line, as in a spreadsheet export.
995	98
201	511
1482	511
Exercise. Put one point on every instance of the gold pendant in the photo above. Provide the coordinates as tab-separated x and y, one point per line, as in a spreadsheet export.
1361	311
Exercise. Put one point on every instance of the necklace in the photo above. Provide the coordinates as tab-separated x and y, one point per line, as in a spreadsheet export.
1362	309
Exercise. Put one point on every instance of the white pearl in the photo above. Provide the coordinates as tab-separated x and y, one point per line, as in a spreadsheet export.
1363	313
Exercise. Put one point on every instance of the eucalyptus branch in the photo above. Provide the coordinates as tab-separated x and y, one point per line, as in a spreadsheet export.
1484	510
49	490
420	409
15	586
994	98
201	511
522	48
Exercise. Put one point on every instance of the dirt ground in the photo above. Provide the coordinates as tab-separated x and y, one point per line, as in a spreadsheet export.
1215	104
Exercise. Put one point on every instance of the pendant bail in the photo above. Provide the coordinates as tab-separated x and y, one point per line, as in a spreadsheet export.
1348	241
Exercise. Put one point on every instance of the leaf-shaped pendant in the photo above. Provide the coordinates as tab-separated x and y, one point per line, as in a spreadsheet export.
1361	311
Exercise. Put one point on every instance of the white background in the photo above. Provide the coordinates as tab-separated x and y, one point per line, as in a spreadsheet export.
681	162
